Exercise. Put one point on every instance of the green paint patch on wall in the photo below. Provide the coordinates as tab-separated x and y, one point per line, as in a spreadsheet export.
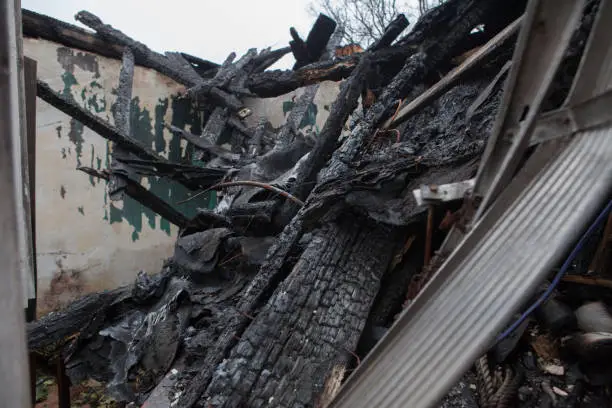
69	81
309	119
75	135
151	132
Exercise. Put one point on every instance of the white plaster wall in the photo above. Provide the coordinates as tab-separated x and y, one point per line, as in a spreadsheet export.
78	249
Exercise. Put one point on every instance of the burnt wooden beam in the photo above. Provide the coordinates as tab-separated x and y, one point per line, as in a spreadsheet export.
266	59
279	82
101	127
121	113
40	26
313	48
200	63
204	144
213	129
180	73
452	16
143	196
37	25
192	177
392	31
327	140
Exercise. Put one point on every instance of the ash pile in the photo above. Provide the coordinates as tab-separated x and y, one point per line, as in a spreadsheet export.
318	241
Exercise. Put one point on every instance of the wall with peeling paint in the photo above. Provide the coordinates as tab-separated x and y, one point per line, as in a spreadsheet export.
86	242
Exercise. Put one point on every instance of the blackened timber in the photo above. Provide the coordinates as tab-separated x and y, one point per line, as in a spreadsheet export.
310	326
312	49
450	20
213	129
266	59
101	127
199	63
192	177
40	26
392	31
267	279
239	126
157	61
143	196
278	82
327	141
202	143
121	112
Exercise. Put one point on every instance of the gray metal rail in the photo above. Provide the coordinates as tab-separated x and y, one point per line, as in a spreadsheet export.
510	250
15	390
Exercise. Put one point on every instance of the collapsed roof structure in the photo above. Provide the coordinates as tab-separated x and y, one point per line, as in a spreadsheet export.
319	241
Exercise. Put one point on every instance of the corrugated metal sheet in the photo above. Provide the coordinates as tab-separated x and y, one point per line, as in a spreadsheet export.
509	251
461	311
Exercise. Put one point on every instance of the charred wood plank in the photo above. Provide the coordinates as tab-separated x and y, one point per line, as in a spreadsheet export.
326	143
192	177
392	31
202	143
269	276
313	48
142	195
309	328
453	76
199	64
101	127
343	106
40	26
268	58
445	21
184	75
213	129
239	126
278	82
48	335
230	76
121	113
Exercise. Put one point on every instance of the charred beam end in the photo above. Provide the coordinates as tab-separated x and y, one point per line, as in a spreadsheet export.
96	124
199	63
345	103
160	63
263	62
40	26
274	83
311	50
121	113
143	196
203	144
392	31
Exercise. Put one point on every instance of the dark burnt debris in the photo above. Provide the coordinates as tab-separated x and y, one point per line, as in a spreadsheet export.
289	282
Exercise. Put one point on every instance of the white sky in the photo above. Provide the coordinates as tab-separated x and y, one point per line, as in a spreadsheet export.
209	29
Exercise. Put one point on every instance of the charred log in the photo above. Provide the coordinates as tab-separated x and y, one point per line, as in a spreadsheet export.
203	144
121	113
101	127
392	31
266	59
142	195
305	333
184	74
312	49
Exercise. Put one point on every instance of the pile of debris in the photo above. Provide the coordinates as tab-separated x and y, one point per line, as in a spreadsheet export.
318	242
